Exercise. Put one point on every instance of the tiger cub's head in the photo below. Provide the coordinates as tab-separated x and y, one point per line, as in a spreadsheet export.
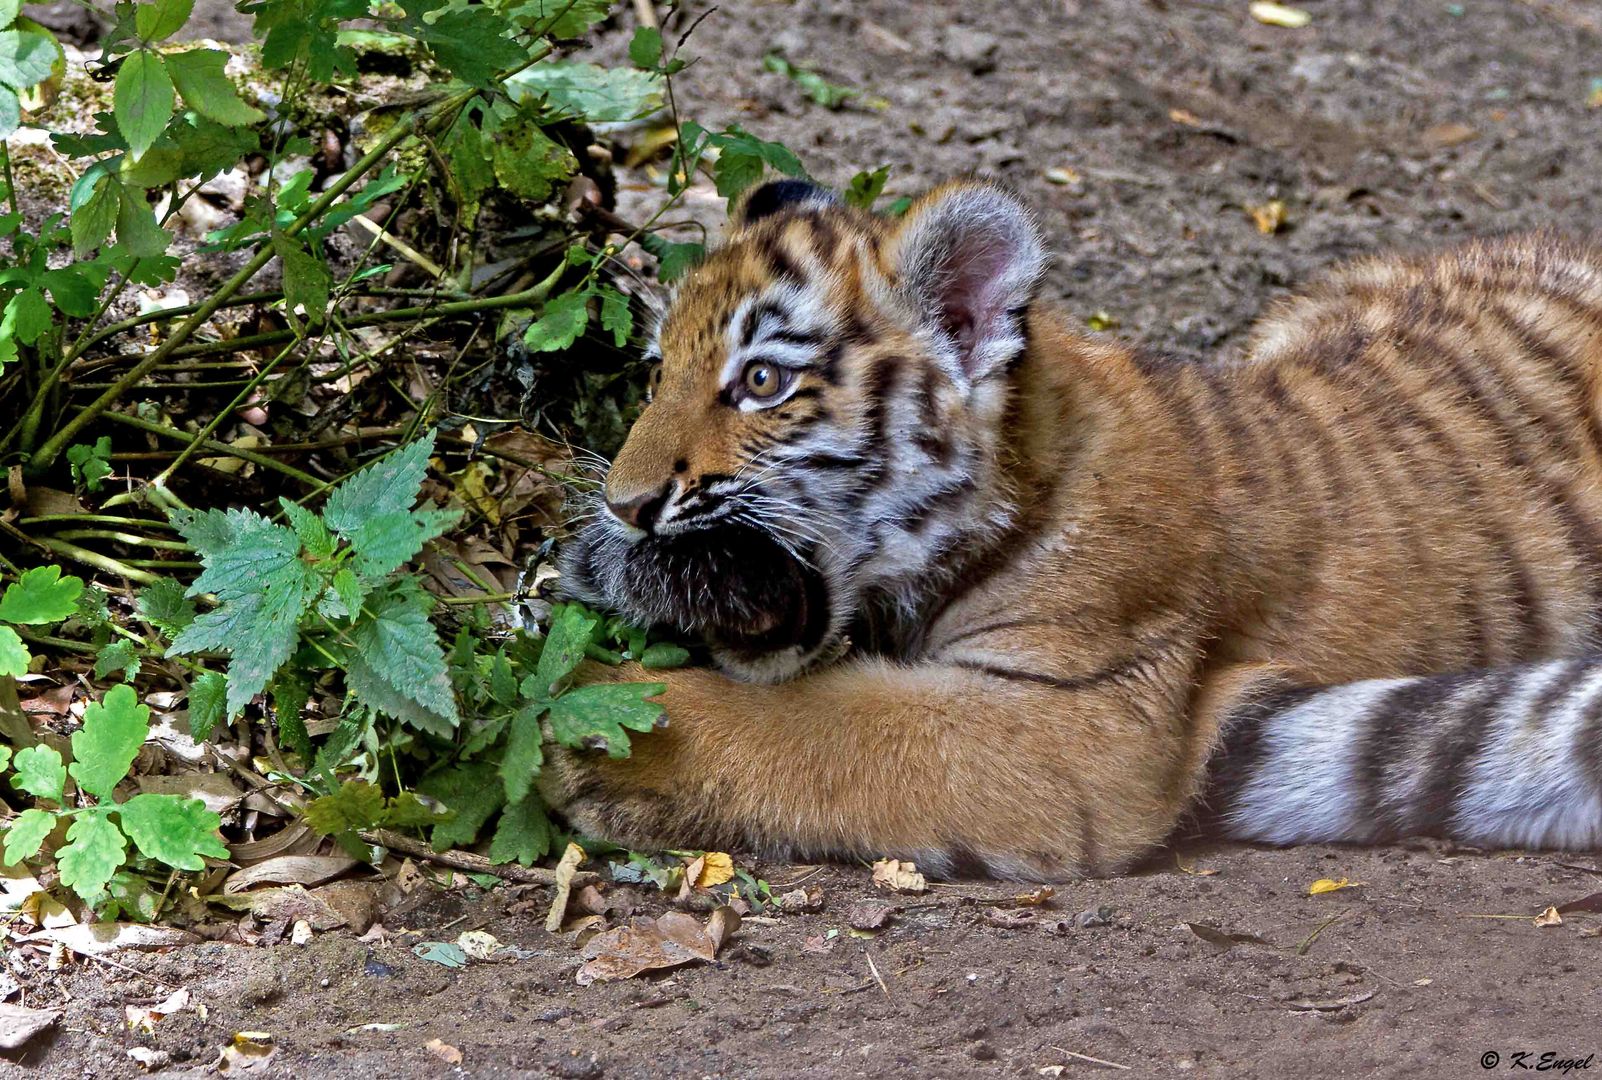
823	426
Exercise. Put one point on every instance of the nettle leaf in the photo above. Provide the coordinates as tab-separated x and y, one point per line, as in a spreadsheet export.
208	704
39	772
616	315
866	187
14	655
114	729
199	77
173	830
354	805
314	535
384	543
95	850
523	753
594	717
39	596
26	833
563	652
471	794
388	486
398	665
161	19
290	691
560	323
26	58
117	656
597	94
524	834
142	100
163	605
472	44
306	279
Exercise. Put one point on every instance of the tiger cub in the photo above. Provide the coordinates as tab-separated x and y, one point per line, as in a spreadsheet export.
1005	600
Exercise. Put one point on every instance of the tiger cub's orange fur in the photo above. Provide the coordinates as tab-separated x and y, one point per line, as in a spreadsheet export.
1346	587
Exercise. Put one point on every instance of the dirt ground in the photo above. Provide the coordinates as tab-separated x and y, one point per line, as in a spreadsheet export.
1380	126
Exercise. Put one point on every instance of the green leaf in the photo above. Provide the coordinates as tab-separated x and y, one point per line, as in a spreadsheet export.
163	605
117	656
90	464
529	163
354	805
562	18
524	834
589	92
866	187
199	77
397	665
560	323
40	596
306	280
471	44
471	793
616	315
14	655
290	692
9	10
39	772
137	229
95	850
5	757
142	100
645	48
350	589
26	833
25	58
30	315
386	486
673	259
502	680
664	654
825	93
173	830
10	112
162	19
94	218
208	701
523	754
383	543
314	535
114	729
563	652
407	811
593	717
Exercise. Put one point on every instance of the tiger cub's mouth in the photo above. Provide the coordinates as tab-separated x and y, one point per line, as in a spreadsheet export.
764	612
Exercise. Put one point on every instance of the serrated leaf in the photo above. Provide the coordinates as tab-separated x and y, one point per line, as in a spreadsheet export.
523	754
563	651
673	259
91	464
616	315
664	654
645	47
306	279
14	655
350	589
524	834
199	77
10	112
866	187
502	679
163	605
142	100
9	10
137	229
161	19
407	811
561	322
590	92
471	793
385	542
173	830
354	805
26	833
398	666
117	657
114	729
471	44
95	849
208	703
314	535
562	18
594	717
95	217
40	596
39	772
26	58
529	163
384	487
290	690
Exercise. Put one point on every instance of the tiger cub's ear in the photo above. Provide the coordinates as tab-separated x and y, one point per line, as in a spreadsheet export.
969	257
777	196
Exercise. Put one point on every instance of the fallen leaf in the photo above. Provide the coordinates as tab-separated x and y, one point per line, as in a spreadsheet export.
590	901
716	868
565	869
18	1024
870	914
1015	919
1549	917
1280	15
1039	898
1103	320
246	1050
899	876
1191	868
289	870
646	944
1269	217
1305	1005
1214	936
100	939
1422	982
144	1019
1184	116
445	953
818	943
1327	885
808	898
478	944
1062	176
1446	136
444	1051
301	934
149	1058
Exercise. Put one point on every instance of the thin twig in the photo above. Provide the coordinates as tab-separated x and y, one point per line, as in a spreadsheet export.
1093	1060
467	861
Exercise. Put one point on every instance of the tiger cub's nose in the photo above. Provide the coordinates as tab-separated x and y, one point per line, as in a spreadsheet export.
641	510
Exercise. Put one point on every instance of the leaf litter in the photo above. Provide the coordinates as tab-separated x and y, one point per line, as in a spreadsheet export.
650	944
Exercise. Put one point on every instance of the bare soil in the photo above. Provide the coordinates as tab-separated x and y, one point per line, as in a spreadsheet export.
1380	126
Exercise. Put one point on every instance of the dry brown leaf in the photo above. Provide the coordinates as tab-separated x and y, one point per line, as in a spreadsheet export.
1549	917
1214	936
18	1024
716	868
289	870
1010	919
1333	1005
1185	116
899	876
571	858
869	914
1446	136
1269	217
101	939
646	944
1591	904
246	1050
145	1018
807	898
444	1051
1191	868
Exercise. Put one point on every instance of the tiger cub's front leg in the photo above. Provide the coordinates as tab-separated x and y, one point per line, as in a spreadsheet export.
959	770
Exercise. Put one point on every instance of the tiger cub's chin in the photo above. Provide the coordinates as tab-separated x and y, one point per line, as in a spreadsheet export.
763	611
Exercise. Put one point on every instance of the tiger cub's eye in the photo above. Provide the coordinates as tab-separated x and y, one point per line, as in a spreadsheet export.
762	380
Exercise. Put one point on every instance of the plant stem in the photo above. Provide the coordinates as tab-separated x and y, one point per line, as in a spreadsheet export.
218	447
95	559
206	432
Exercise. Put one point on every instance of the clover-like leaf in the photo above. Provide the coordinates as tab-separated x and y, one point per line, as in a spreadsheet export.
114	729
40	772
40	595
173	830
95	849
